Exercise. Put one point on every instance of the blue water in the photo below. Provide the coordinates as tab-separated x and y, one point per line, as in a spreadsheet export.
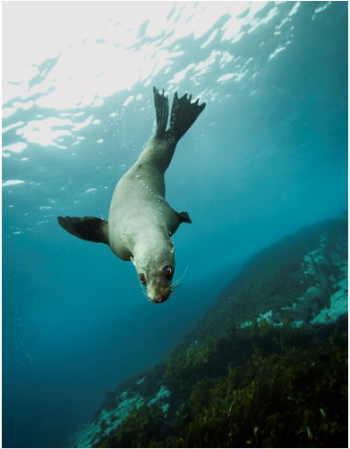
267	156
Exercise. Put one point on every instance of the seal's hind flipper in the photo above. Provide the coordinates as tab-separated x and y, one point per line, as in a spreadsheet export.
86	228
183	115
161	104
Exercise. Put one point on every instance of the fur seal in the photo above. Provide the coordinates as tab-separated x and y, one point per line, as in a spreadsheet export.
140	220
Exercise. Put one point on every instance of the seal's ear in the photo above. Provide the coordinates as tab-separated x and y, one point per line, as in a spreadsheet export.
87	228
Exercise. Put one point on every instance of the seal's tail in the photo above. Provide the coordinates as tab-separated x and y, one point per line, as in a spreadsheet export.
183	114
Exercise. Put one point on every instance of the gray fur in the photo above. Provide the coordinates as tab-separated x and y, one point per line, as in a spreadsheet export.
141	221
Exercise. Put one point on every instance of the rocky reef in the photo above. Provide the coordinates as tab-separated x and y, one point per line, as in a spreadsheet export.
266	366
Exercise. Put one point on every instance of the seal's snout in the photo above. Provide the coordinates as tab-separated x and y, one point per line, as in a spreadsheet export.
160	298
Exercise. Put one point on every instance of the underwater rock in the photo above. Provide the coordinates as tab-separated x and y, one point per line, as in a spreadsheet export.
293	280
329	273
106	421
339	299
273	375
162	393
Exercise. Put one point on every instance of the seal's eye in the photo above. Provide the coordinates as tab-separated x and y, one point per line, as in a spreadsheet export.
167	270
142	278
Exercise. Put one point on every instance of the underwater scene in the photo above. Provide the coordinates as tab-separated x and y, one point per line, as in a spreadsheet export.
249	345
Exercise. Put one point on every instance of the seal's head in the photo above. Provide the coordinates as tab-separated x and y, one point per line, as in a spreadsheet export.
156	272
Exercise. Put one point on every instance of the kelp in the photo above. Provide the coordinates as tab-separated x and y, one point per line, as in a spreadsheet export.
262	384
288	390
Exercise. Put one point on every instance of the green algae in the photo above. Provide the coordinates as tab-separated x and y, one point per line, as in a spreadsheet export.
290	390
265	384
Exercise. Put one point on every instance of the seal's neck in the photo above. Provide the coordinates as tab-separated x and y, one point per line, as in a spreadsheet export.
151	243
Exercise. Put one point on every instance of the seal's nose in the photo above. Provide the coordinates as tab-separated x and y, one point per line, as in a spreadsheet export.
161	298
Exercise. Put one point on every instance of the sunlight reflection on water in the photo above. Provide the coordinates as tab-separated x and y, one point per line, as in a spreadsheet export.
113	48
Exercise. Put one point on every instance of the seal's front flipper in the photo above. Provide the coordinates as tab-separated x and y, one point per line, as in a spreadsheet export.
182	217
86	228
183	115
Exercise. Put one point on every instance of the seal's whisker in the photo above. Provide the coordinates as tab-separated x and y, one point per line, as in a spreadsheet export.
143	289
175	287
177	282
171	293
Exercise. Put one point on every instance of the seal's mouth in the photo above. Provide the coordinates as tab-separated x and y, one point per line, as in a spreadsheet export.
158	299
165	292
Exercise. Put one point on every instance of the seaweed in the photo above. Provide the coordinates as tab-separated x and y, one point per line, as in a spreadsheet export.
290	391
266	384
